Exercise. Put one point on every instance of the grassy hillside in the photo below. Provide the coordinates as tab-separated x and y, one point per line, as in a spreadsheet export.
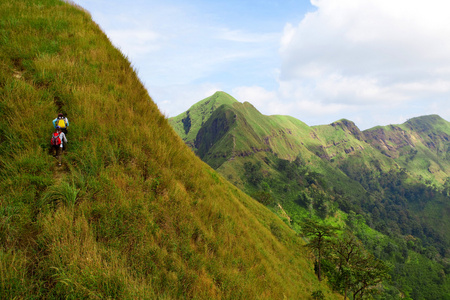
391	180
236	129
132	213
187	124
420	145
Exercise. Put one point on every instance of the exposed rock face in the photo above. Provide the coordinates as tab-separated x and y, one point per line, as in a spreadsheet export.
394	141
350	127
389	142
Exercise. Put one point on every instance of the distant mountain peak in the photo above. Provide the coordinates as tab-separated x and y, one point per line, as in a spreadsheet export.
349	126
344	122
221	94
189	122
426	123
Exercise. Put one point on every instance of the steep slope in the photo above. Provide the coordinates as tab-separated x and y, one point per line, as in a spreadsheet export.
132	213
254	133
187	124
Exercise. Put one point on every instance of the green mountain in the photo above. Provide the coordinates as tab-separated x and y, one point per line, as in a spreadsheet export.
420	145
388	183
132	213
189	123
236	129
225	128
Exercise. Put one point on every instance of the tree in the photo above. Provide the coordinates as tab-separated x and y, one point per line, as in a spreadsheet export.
356	270
318	235
369	272
253	173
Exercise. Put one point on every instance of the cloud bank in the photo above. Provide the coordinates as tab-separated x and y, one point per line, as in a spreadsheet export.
378	61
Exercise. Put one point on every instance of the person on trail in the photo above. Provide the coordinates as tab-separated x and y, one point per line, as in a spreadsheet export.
62	122
57	143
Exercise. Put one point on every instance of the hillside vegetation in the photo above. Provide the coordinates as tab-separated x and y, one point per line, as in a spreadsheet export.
132	213
389	185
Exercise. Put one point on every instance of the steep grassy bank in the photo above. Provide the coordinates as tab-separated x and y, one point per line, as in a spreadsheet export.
132	213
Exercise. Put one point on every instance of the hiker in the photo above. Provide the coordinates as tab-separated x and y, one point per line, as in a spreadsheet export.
62	122
57	142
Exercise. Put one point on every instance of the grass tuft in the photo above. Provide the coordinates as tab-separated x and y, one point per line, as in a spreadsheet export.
63	193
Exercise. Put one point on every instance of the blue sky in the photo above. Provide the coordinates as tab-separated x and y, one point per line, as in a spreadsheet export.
375	62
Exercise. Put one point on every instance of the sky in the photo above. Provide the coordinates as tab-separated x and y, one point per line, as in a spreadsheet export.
374	62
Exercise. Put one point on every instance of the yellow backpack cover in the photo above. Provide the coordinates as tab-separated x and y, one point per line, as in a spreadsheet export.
61	123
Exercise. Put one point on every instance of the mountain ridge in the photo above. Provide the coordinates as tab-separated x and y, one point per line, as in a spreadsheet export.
387	181
388	140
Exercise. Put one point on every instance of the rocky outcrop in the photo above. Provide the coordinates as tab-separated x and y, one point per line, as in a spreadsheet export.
389	141
349	127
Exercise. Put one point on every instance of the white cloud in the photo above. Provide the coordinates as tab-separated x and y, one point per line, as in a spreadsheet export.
257	95
271	102
367	55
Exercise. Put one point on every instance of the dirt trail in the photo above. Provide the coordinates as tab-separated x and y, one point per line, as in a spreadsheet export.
283	212
59	171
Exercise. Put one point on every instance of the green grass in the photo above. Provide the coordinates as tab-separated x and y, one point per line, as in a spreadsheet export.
188	124
420	145
132	213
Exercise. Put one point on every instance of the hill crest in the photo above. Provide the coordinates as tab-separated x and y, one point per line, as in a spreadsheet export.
287	137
